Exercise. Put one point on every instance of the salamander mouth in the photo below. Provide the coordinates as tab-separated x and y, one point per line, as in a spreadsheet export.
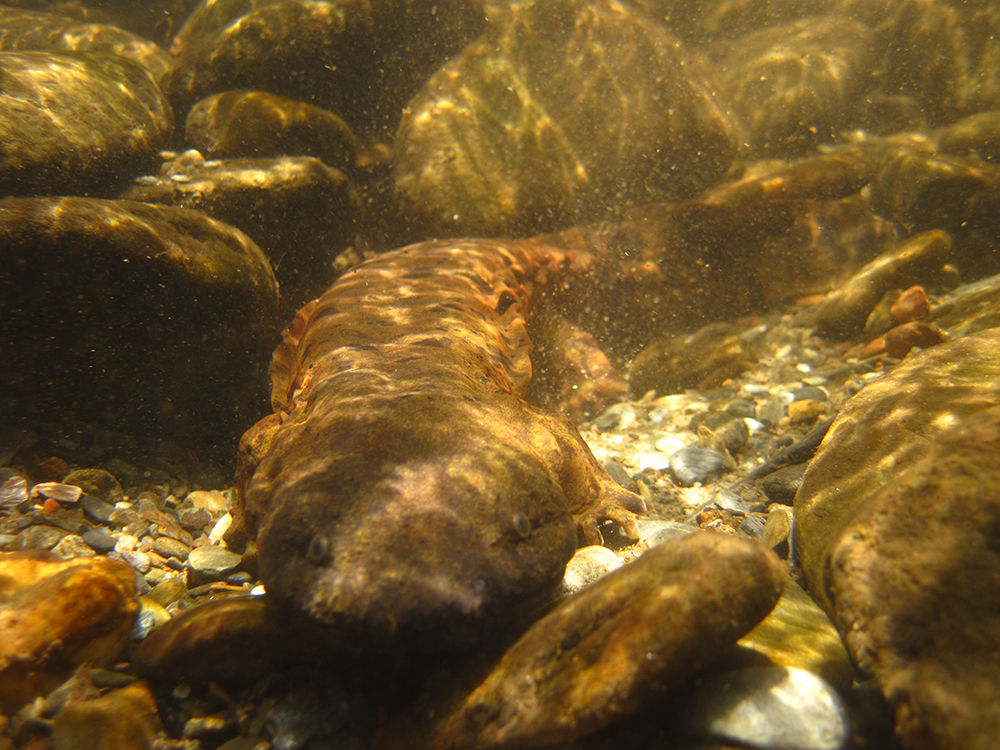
387	604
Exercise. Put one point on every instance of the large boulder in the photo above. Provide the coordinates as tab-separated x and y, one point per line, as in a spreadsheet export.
897	521
153	317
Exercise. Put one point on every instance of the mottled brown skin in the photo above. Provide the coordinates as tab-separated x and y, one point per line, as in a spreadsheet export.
403	486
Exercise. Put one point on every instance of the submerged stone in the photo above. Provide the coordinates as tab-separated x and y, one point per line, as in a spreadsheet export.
24	31
895	519
56	614
361	60
258	124
76	122
561	112
301	212
239	44
770	708
792	84
604	652
154	316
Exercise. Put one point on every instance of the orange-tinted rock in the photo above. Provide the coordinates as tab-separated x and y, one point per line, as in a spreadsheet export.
606	651
125	719
56	614
844	311
874	348
808	410
911	305
901	339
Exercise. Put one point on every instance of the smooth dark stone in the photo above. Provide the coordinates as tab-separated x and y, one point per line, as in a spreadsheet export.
99	539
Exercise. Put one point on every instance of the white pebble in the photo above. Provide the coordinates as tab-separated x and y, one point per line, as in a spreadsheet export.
220	528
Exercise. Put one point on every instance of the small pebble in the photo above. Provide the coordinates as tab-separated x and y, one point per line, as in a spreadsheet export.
171	548
108	678
96	509
168	592
41	537
206	727
618	473
691	465
131	521
901	339
802	412
220	528
655	461
729	500
780	486
97	482
99	539
213	563
741	408
211	501
73	545
138	560
809	392
778	530
770	411
586	566
194	519
63	493
911	305
753	526
13	492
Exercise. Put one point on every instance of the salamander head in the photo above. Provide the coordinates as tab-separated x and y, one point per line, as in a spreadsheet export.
424	552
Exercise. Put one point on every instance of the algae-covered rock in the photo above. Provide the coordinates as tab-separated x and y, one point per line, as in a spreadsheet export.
891	424
301	212
23	31
134	314
361	60
243	44
561	112
76	122
908	563
791	85
604	652
943	54
258	124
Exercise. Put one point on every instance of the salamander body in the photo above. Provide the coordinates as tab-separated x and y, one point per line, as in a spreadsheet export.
403	486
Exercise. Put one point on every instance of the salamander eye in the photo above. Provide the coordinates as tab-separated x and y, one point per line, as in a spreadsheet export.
521	525
318	550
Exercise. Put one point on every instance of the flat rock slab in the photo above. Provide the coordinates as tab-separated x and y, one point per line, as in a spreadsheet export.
77	121
151	314
606	651
896	524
